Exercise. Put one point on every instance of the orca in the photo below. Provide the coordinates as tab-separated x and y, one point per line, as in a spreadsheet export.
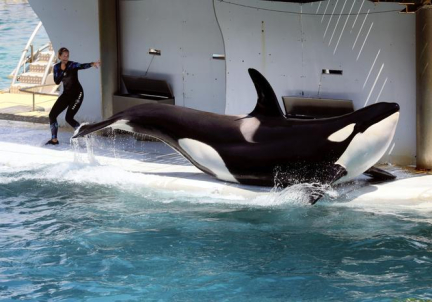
265	147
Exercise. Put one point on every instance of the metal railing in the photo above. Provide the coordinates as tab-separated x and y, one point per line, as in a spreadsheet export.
47	68
32	90
24	52
32	57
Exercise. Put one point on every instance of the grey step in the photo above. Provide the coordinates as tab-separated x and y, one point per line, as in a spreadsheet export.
38	67
45	56
30	78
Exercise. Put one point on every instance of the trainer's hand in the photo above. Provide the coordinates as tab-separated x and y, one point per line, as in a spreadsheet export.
96	64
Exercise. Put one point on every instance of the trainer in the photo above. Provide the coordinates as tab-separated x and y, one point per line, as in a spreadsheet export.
66	72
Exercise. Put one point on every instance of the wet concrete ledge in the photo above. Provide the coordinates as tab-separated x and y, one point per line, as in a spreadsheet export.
20	107
24	118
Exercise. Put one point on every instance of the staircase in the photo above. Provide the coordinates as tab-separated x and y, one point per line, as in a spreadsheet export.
35	69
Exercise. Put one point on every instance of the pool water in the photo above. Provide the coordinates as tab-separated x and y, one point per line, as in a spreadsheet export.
17	23
77	231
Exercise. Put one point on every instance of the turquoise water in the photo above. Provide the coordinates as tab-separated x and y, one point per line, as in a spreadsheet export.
17	22
77	230
63	240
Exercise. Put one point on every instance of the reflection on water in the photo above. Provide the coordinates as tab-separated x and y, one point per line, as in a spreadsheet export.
17	22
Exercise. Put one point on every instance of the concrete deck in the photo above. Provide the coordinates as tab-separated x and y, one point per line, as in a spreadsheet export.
19	107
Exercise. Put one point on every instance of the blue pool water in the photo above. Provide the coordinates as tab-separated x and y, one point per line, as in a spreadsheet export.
17	22
66	238
77	230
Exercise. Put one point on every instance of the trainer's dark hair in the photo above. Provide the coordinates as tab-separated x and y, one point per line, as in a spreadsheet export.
62	50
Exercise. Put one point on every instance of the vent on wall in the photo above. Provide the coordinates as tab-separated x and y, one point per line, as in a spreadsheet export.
218	56
332	71
155	52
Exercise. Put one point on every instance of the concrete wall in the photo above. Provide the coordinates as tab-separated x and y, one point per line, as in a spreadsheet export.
374	48
188	35
75	25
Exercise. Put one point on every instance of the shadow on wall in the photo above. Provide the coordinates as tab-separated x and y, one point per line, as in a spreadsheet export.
313	94
169	78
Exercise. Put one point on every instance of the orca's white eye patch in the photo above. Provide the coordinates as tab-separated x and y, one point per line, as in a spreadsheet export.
342	134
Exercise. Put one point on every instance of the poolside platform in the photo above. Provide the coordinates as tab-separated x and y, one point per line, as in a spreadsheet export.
19	107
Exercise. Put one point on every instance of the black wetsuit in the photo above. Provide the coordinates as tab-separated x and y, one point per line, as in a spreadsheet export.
72	95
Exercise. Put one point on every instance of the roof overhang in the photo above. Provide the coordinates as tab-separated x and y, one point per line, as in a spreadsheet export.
410	5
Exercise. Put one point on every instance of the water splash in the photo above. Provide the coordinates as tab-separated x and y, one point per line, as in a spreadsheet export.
86	143
300	194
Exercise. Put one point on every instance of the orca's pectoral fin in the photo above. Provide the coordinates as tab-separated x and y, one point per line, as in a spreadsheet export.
315	193
338	173
318	191
380	175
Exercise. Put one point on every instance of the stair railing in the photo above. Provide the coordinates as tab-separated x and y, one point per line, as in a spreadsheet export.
24	52
30	58
48	67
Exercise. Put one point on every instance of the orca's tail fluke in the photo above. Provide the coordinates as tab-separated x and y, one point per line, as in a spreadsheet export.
90	128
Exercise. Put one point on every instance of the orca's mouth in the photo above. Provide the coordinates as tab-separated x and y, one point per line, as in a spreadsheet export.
380	112
392	108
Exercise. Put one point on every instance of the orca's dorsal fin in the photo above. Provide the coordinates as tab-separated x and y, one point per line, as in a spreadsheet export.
267	103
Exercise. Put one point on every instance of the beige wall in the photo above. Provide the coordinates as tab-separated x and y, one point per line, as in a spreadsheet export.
187	33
